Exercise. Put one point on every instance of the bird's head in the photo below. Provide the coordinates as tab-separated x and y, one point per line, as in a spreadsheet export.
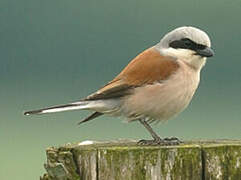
188	44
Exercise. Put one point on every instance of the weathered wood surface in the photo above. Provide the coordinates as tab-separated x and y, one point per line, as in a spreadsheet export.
124	160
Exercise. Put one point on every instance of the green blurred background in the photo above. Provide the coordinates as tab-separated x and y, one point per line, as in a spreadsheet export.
57	51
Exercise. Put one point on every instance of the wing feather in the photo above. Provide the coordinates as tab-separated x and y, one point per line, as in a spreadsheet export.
148	67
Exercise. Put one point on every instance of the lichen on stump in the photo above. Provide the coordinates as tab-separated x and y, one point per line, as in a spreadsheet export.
222	162
118	160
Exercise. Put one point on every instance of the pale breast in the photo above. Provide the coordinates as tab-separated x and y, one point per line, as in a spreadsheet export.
162	100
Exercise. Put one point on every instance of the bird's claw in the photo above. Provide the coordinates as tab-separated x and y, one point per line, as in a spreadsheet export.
173	141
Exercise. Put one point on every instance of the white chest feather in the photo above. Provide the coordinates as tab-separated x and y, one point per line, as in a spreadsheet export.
163	100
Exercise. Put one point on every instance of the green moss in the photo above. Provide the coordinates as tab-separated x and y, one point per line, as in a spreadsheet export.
126	163
126	160
222	162
143	163
181	162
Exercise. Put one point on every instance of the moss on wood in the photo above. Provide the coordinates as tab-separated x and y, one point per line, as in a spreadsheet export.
193	160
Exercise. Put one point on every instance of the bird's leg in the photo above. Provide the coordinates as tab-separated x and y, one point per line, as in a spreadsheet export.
156	139
149	128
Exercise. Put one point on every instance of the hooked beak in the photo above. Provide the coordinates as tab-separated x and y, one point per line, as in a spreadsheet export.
206	52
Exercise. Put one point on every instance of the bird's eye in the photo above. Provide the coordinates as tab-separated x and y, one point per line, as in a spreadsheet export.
187	43
183	44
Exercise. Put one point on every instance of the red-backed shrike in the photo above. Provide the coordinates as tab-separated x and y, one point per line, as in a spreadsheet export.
156	85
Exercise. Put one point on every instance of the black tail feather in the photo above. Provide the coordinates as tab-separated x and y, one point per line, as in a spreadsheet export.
32	112
90	117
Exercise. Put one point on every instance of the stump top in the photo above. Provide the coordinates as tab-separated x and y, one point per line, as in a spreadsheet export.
127	143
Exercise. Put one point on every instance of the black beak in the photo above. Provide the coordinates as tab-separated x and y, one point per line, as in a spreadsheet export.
206	52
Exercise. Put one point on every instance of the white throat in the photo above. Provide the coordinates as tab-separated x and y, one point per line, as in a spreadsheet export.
187	56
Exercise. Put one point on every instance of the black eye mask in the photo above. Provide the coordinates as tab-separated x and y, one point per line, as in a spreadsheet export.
186	43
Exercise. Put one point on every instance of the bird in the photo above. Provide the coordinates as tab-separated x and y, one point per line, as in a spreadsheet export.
155	86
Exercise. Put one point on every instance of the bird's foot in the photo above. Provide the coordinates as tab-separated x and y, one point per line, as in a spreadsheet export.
175	139
172	141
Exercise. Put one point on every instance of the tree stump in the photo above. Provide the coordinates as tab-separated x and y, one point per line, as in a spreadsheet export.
125	160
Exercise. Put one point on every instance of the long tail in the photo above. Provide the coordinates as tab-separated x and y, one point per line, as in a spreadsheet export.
60	108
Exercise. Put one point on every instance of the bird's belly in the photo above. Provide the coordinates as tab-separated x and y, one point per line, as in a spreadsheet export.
160	101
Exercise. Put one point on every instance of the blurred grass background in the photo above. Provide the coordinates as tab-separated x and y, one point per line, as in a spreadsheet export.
53	52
